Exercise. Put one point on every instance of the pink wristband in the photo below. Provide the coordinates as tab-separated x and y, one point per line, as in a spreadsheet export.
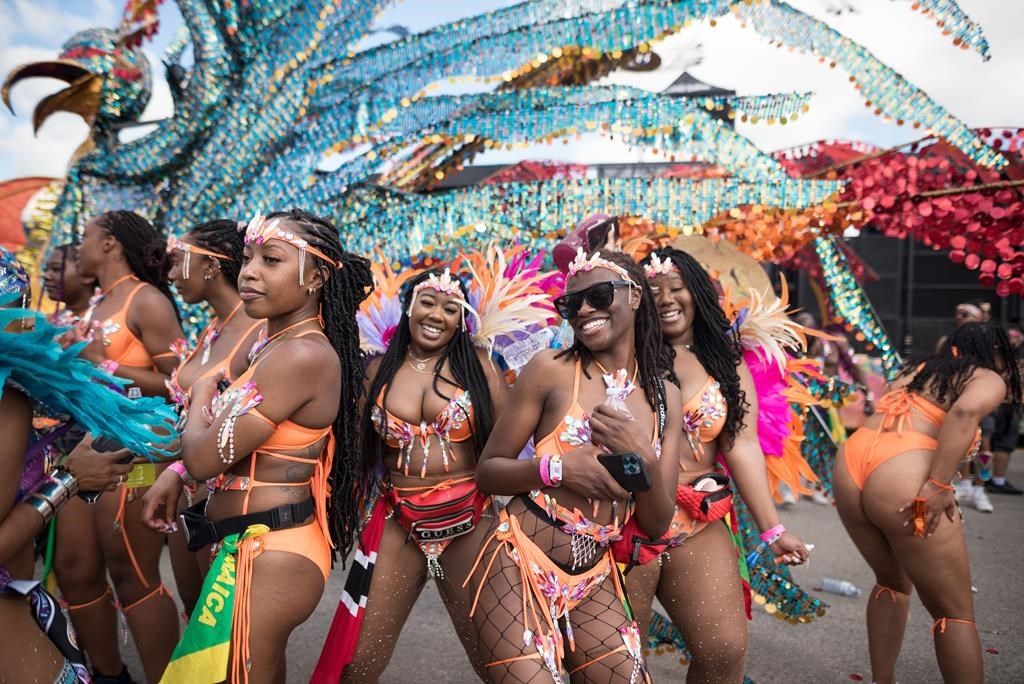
544	473
771	536
110	365
179	468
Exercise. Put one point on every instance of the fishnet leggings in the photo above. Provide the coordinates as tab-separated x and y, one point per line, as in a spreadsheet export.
499	618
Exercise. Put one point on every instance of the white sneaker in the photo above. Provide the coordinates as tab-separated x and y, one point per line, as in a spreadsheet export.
788	497
980	500
820	497
964	490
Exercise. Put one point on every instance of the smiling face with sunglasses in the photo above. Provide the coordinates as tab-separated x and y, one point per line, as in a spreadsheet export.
600	306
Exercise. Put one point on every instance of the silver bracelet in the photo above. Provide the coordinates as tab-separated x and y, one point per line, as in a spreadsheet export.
54	492
67	479
42	506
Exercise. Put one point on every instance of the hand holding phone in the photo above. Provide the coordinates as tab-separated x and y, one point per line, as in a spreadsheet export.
628	470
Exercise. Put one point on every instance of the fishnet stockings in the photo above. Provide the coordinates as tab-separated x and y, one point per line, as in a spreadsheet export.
499	618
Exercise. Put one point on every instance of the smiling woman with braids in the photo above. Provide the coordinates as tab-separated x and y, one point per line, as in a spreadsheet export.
277	447
432	399
894	493
548	592
696	577
131	330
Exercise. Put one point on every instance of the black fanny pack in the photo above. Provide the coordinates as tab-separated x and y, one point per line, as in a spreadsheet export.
200	531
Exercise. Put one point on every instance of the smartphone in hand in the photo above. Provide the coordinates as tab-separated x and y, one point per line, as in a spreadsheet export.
628	470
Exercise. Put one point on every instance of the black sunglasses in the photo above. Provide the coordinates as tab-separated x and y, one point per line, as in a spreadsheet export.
600	296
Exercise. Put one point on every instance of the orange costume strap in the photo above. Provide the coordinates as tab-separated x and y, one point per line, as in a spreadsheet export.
942	622
891	592
919	505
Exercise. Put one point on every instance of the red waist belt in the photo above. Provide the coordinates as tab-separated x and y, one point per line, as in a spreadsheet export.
705	499
438	514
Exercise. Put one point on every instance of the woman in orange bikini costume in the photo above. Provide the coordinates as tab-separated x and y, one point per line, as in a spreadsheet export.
548	592
894	492
432	399
205	263
132	328
278	447
696	577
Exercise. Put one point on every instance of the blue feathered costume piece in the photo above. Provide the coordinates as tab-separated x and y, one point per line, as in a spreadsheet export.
65	385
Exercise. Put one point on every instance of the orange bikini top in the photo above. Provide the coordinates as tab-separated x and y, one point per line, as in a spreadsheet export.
574	432
453	424
180	395
287	436
896	406
121	343
704	416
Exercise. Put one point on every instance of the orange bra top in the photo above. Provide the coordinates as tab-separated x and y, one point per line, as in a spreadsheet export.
287	436
122	344
896	405
574	430
178	394
453	424
704	413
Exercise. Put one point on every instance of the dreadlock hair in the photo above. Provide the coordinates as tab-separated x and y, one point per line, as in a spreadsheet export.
972	345
342	291
143	249
714	342
653	355
222	236
463	361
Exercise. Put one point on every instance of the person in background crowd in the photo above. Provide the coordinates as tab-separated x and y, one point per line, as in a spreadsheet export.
66	287
892	483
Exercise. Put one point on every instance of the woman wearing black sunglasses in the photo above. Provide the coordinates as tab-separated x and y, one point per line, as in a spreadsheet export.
699	583
548	592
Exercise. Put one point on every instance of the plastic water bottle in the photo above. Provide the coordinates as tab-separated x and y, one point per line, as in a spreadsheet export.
564	338
134	392
840	587
519	353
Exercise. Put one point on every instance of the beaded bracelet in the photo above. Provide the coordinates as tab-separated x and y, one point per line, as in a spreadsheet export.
773	535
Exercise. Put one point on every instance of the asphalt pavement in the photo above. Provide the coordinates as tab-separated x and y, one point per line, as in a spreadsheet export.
832	648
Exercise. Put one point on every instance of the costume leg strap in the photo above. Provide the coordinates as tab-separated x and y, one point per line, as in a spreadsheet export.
160	590
879	590
941	623
78	606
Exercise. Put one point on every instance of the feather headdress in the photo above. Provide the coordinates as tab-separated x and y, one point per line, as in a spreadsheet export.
380	313
510	294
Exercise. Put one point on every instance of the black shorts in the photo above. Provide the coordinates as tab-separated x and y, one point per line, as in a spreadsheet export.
1002	426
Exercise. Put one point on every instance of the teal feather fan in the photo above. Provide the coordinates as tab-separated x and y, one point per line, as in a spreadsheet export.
64	383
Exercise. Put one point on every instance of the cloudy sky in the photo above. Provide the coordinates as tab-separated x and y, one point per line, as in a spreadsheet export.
981	93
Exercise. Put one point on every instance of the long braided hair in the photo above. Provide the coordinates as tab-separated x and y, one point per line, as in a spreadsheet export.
972	345
222	236
714	342
144	250
341	294
653	355
465	366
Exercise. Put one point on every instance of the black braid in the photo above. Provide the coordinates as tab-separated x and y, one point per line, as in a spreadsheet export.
465	366
653	354
144	250
714	342
222	236
342	292
972	345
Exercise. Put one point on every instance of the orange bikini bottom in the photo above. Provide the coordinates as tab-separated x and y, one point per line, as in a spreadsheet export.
867	449
306	540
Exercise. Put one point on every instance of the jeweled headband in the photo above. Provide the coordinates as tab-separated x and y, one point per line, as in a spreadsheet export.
445	284
582	264
260	230
176	245
656	267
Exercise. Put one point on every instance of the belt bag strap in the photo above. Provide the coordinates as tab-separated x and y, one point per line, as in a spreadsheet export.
201	531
